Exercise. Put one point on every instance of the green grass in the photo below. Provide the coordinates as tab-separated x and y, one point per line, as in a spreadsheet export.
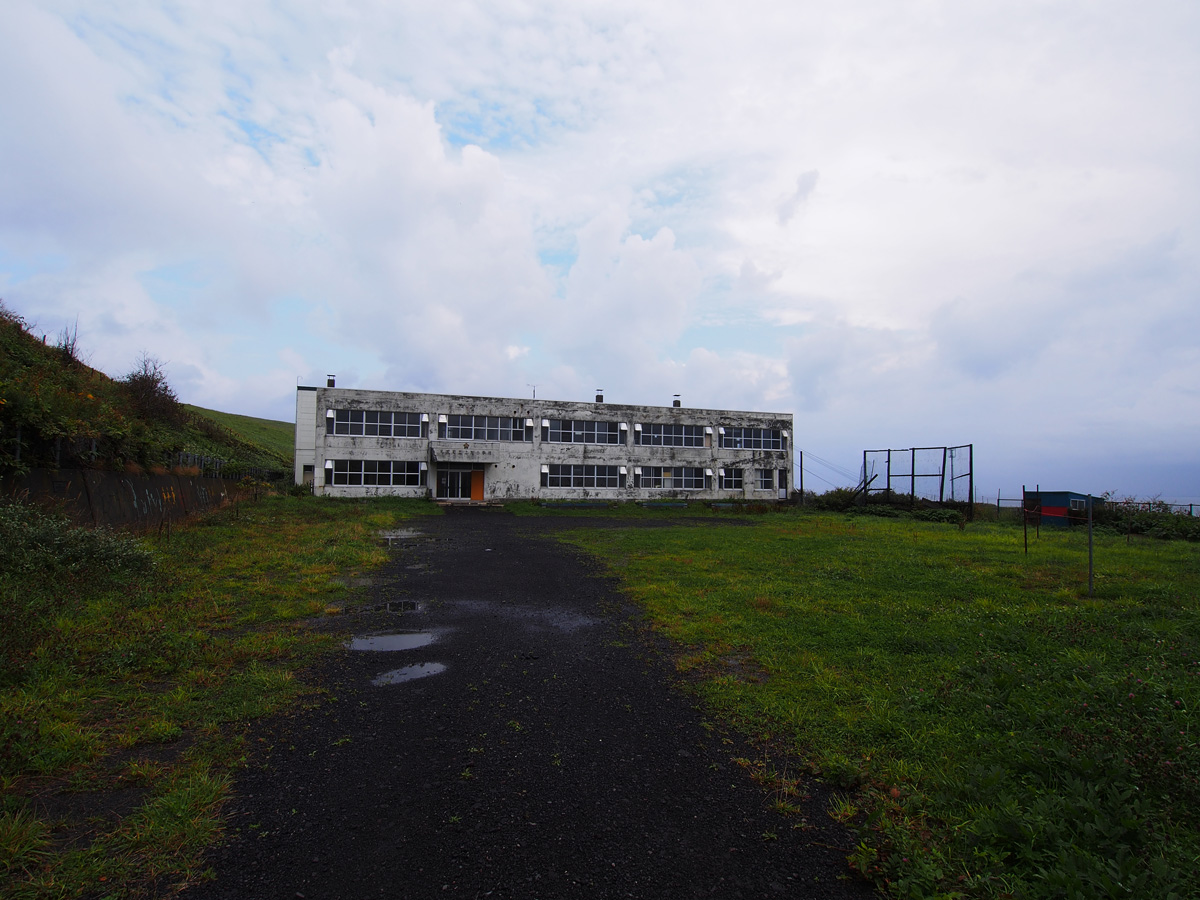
144	683
628	510
998	732
277	437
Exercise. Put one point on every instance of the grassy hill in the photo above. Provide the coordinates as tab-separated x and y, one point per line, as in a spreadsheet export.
274	437
58	412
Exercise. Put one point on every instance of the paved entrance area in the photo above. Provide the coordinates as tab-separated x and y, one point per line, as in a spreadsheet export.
503	727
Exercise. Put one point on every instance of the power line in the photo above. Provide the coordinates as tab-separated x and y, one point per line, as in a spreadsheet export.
818	477
845	473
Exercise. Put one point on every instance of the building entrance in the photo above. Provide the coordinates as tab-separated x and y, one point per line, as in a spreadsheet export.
459	483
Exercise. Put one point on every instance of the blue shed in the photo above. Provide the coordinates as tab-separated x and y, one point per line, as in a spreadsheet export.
1059	507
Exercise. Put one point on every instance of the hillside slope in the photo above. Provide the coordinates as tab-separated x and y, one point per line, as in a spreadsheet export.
271	434
58	412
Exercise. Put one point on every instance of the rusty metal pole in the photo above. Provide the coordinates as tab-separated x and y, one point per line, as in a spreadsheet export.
1091	558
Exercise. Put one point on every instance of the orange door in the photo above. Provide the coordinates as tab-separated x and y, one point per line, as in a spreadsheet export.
477	485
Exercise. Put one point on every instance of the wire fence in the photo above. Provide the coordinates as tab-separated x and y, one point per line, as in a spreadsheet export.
932	474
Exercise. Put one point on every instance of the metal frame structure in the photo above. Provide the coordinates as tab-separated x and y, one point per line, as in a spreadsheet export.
949	457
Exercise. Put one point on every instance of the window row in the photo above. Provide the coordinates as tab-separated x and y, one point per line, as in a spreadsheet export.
485	428
650	435
376	423
573	476
381	472
569	431
585	476
394	473
753	439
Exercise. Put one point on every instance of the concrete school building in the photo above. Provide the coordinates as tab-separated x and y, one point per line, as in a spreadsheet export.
359	443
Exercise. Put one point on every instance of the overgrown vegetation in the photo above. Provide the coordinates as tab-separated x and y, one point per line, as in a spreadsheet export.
997	732
131	669
56	411
1152	518
48	569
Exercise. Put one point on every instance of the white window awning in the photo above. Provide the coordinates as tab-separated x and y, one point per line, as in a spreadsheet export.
624	426
722	471
721	429
708	473
529	423
622	470
708	429
637	470
637	426
545	470
785	434
545	423
442	420
424	417
329	413
423	466
329	463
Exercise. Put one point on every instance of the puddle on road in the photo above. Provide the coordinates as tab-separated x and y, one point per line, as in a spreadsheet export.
554	618
408	673
399	534
406	640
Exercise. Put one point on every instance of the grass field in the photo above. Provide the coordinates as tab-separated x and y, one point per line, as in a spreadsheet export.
998	733
131	669
278	437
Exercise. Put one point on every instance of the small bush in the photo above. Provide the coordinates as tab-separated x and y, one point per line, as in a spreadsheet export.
836	500
151	396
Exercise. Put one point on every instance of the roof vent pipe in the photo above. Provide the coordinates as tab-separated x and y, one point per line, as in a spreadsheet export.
329	381
676	402
599	395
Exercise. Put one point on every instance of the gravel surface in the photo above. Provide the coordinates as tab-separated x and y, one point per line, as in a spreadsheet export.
554	755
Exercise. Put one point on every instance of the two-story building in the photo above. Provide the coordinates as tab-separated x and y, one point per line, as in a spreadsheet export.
355	443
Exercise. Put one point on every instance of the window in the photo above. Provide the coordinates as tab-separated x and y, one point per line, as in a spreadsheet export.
377	472
582	477
752	439
484	428
672	478
566	431
670	435
1078	504
375	423
731	479
766	479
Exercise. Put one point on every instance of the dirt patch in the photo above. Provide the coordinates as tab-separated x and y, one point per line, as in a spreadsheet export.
554	755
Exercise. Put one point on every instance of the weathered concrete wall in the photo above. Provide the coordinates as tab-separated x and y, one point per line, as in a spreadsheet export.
513	469
116	499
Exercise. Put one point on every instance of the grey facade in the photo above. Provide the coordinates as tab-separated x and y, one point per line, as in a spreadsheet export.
357	443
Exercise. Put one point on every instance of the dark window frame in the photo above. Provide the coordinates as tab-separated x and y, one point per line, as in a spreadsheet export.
581	431
377	473
654	434
738	438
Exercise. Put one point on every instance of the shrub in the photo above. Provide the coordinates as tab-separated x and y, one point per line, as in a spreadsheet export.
150	395
836	500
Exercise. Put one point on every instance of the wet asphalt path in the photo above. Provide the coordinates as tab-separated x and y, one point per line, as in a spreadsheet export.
554	756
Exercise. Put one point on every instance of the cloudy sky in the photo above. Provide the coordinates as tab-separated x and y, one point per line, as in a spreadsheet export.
907	223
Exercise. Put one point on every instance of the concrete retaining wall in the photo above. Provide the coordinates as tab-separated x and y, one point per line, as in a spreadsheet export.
116	499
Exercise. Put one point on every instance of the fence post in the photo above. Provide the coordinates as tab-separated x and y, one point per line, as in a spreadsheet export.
912	478
971	479
1090	554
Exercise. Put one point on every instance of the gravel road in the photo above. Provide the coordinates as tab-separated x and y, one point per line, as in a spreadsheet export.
524	737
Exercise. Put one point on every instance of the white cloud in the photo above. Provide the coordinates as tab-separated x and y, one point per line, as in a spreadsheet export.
1004	226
